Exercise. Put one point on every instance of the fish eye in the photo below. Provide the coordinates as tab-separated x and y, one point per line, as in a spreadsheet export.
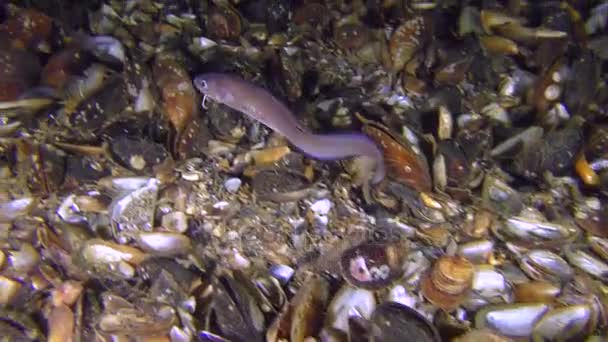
201	83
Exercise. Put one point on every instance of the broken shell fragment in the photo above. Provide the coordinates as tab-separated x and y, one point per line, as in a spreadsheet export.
163	243
108	258
16	208
347	301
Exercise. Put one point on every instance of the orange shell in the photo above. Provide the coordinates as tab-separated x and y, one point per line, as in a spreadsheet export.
445	301
402	162
452	275
405	41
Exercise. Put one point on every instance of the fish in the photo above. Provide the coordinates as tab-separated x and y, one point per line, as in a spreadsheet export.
258	103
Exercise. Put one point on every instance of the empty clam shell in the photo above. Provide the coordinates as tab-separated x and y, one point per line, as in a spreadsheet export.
372	265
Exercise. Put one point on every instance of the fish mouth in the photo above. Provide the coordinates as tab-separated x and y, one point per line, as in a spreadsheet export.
204	102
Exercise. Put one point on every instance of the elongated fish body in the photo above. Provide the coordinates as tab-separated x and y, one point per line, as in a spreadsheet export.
259	104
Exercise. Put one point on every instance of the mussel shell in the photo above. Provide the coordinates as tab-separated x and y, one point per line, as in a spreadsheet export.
94	112
594	222
536	292
18	325
406	40
563	323
404	162
512	320
137	154
393	322
545	265
372	265
533	233
457	166
193	140
599	245
582	259
236	315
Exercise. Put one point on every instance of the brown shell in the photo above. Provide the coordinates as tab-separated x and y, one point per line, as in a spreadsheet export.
499	45
62	65
351	36
596	223
28	28
178	94
457	165
402	163
224	23
536	291
453	72
405	41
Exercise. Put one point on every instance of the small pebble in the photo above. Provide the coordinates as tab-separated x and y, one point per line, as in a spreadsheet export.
232	185
298	224
401	295
239	261
321	207
320	222
221	205
232	235
282	273
191	176
177	334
